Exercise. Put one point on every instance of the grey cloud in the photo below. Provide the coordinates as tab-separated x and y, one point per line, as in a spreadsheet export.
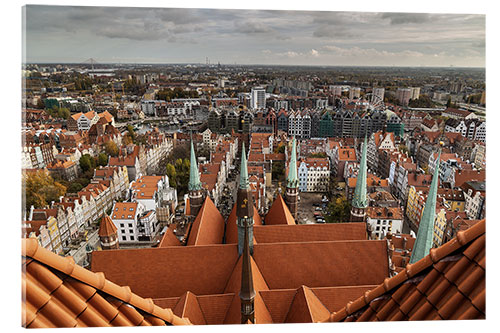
406	18
332	32
252	27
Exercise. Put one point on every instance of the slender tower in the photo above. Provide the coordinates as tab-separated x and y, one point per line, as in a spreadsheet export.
292	183
423	243
244	210
247	292
195	188
360	201
108	234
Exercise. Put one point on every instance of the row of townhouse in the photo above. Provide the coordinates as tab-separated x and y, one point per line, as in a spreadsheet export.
379	141
160	108
37	156
472	129
143	160
74	215
314	174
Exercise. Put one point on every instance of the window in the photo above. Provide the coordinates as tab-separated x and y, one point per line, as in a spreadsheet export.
123	231
121	225
130	225
132	238
124	238
131	231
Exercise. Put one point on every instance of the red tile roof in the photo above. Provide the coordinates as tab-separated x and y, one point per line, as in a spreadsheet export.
309	232
58	293
208	227
150	271
448	283
363	262
169	238
107	227
279	213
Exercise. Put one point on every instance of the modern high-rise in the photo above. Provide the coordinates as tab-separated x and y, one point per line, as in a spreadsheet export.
258	98
403	95
354	92
378	92
415	92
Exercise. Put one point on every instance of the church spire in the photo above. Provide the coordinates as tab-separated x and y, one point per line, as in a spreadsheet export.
247	292
292	180
244	184
292	183
423	243
194	186
244	207
360	201
194	176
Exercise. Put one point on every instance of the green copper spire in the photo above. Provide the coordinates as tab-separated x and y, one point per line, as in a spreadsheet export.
423	243
359	200
244	184
194	176
291	180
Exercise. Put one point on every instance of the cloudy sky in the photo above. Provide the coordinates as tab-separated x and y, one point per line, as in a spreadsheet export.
162	35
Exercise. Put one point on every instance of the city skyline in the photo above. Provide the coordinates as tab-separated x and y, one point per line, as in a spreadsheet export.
63	34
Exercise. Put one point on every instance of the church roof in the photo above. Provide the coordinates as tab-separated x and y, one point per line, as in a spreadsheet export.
309	232
208	227
279	213
169	238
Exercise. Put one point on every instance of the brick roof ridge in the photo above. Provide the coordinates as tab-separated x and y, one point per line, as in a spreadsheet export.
305	302
189	307
67	266
208	222
169	238
279	213
463	238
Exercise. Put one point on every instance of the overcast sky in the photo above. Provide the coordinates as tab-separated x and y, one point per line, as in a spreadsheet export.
162	35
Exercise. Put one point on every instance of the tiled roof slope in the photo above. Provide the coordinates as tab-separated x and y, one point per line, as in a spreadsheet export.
279	213
322	264
169	238
150	271
208	227
309	232
448	283
306	308
59	293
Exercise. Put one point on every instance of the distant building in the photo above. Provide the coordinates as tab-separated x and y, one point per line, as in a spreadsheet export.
403	95
354	92
258	98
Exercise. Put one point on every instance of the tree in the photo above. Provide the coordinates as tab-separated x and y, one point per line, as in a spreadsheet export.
41	189
111	148
131	132
74	187
278	171
86	162
318	155
172	175
338	210
102	159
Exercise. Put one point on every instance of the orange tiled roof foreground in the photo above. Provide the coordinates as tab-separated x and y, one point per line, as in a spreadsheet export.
59	293
448	283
